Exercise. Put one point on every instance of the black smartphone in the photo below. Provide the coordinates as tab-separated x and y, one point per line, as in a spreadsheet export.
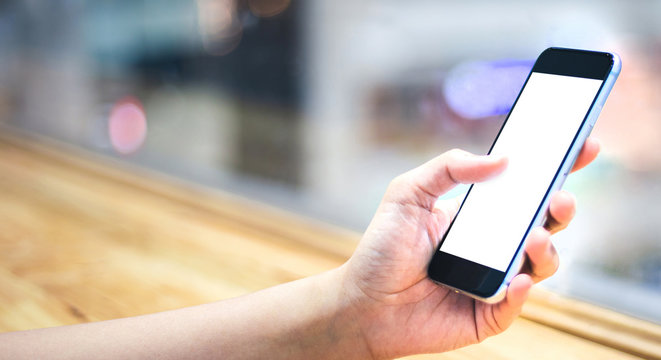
482	250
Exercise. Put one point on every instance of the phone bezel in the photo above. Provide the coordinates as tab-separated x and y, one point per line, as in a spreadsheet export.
486	283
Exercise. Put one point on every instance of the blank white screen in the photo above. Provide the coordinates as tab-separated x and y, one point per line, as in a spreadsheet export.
536	137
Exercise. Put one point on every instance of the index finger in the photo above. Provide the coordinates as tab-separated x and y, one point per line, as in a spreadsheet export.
588	153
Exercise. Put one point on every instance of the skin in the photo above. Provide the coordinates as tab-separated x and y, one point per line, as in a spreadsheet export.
379	304
389	267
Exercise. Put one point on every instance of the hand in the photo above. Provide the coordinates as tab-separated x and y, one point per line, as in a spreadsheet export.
399	309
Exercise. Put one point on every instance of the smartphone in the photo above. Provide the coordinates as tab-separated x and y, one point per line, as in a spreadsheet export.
482	250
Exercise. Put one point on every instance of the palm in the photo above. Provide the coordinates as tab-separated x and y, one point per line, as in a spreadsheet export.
406	299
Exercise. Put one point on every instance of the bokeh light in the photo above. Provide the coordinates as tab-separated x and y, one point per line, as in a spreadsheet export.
127	125
267	8
219	26
477	90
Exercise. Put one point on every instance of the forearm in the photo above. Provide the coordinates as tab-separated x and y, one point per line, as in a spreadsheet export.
309	318
306	319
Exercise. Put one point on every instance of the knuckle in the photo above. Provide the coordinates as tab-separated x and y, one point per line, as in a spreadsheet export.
399	183
455	153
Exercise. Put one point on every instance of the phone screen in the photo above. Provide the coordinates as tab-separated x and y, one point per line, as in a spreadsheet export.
497	214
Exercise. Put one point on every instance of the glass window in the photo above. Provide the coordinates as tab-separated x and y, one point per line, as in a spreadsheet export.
314	106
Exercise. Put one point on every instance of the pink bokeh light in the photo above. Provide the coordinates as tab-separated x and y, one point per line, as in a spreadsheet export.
127	125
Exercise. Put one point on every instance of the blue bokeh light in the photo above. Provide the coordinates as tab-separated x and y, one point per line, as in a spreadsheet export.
476	90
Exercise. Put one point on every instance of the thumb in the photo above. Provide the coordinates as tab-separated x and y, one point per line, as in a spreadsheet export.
426	183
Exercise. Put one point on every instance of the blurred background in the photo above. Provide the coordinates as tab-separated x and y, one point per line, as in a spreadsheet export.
314	106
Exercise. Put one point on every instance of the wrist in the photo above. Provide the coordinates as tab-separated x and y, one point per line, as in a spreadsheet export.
346	309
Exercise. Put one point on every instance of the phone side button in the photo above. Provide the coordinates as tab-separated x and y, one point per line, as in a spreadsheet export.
595	114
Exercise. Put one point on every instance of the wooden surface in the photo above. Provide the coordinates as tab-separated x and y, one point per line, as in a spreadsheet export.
85	238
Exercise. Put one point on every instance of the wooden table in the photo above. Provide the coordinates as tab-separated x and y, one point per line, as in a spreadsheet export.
87	238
